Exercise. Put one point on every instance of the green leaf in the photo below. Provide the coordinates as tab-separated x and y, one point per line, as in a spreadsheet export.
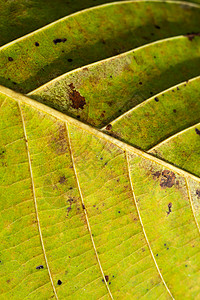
21	17
161	116
104	219
100	92
89	36
181	149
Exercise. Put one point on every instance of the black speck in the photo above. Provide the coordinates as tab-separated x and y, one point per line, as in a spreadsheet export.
59	282
186	266
83	206
157	27
177	88
110	76
165	244
174	110
14	82
109	282
151	93
78	117
101	158
140	82
156	254
70	60
156	99
40	267
119	211
56	41
197	131
37	44
167	248
10	58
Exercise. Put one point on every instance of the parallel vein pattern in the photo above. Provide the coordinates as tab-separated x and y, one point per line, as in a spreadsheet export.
85	211
35	201
135	201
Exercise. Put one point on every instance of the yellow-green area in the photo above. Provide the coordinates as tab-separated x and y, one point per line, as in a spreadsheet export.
102	218
182	149
92	35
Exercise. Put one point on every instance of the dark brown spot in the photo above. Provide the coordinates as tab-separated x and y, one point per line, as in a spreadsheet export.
157	27
78	101
174	110
103	42
140	82
37	44
156	99
156	174
59	282
62	179
56	41
10	58
109	127
197	131
40	267
83	206
198	193
192	35
70	60
177	88
106	278
167	179
169	207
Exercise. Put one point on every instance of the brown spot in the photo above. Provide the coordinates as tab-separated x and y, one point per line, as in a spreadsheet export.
109	127
156	174
198	193
192	35
78	101
106	278
169	207
58	141
167	179
62	179
197	131
8	281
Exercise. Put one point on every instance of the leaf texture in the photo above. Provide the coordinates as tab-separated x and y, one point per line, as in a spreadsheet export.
91	35
84	212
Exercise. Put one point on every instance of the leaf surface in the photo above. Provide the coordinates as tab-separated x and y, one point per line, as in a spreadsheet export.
88	211
89	36
100	92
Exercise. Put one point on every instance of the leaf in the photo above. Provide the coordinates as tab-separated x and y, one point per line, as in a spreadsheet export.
109	88
181	149
160	116
104	219
91	35
21	17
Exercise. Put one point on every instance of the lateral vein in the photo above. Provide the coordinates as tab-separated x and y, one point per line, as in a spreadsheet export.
144	232
85	212
35	201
